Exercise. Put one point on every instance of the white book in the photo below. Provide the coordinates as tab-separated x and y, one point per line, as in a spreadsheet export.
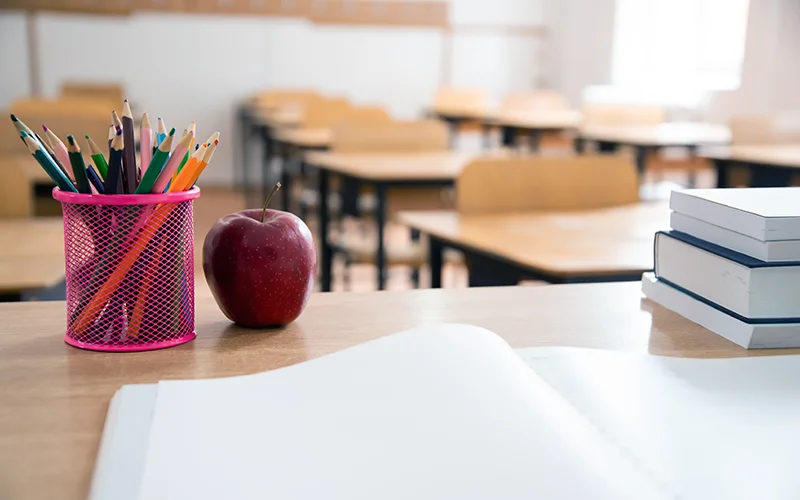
766	214
768	251
452	412
747	335
741	285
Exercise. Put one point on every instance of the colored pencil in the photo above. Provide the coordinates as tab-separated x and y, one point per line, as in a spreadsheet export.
172	164
193	129
162	131
129	155
98	158
151	174
78	166
189	175
60	151
212	139
113	183
112	131
94	178
21	127
47	163
145	144
49	150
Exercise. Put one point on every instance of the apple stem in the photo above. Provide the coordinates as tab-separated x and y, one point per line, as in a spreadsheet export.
269	198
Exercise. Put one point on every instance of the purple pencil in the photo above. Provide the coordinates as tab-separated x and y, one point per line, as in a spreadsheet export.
129	155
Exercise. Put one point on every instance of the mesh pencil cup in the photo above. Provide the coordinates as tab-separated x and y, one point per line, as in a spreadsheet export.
129	269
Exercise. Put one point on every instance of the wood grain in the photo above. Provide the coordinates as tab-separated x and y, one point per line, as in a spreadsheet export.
54	397
581	242
667	134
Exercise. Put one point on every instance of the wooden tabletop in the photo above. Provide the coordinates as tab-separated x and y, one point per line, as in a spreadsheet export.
783	155
32	253
581	243
305	137
545	119
666	134
442	166
287	116
54	397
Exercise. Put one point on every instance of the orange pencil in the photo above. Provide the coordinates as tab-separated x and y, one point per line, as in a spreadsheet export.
190	174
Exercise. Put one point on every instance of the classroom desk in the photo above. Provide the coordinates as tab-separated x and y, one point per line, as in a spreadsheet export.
384	172
647	138
534	122
769	165
455	116
31	256
613	244
54	397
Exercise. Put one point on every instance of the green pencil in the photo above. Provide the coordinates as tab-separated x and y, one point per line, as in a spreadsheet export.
48	164
78	166
98	158
156	164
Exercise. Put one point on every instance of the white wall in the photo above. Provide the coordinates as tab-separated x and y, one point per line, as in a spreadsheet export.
198	67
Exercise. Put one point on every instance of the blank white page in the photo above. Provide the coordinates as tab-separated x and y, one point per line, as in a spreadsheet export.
711	428
445	412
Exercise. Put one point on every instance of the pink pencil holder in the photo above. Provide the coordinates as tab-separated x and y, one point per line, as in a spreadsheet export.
129	270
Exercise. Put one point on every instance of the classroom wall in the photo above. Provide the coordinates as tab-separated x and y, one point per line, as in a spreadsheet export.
186	67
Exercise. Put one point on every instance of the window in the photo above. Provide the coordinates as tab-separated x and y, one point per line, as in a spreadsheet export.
679	44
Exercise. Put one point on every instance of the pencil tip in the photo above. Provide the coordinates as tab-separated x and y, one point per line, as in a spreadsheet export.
87	137
14	117
44	127
23	134
71	140
172	132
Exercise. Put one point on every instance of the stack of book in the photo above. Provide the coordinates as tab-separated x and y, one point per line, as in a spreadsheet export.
731	263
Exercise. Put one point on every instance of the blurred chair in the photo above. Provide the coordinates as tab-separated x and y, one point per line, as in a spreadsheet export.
779	128
21	173
451	101
355	239
623	114
111	93
325	113
536	183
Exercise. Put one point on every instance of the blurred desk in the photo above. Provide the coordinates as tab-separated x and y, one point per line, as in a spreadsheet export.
612	244
647	138
31	256
768	165
384	172
534	122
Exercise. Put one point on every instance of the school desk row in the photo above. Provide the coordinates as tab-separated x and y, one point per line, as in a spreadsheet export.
55	397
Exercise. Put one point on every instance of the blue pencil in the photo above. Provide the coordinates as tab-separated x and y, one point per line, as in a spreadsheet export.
95	179
47	163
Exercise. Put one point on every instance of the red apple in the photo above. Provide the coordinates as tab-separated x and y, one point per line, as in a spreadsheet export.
260	265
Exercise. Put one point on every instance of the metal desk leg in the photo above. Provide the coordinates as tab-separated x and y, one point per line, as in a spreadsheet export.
266	162
508	136
486	130
286	177
722	167
327	252
244	131
641	161
453	125
606	147
380	221
534	138
579	145
415	272
764	176
692	149
435	259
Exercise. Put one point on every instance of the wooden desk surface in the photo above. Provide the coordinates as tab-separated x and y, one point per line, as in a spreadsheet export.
444	166
279	117
535	119
666	134
54	397
597	242
32	253
305	137
784	155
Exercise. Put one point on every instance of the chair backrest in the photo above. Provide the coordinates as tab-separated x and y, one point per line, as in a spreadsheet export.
325	113
456	100
623	114
534	100
65	117
367	115
111	93
781	128
498	185
272	99
390	137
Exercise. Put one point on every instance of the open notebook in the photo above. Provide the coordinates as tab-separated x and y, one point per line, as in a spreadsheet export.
452	412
